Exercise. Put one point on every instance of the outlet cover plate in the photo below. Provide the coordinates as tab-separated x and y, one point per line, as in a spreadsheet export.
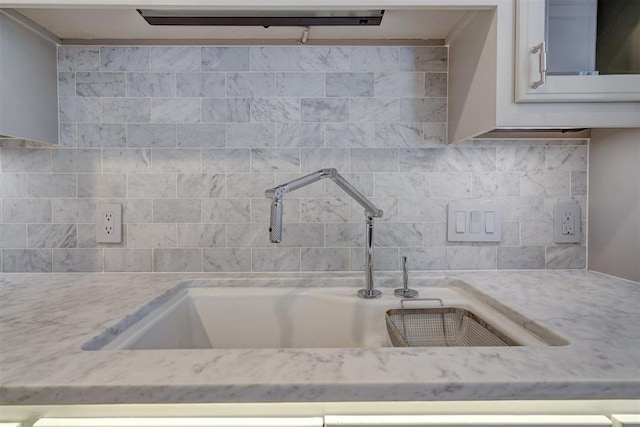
563	211
114	235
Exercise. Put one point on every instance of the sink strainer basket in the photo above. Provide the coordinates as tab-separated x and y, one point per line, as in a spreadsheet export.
441	327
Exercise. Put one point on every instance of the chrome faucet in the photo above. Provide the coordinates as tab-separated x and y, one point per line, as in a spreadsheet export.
405	292
276	195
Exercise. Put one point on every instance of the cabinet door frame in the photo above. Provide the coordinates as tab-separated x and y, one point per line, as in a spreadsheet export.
530	31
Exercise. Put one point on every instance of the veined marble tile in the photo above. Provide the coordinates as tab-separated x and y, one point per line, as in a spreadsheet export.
226	260
520	257
313	159
126	160
78	109
299	135
180	110
373	160
128	260
51	185
523	208
105	185
261	210
227	211
175	58
399	185
203	186
225	58
424	109
435	85
325	109
350	84
177	260
77	260
226	160
67	135
455	184
496	184
324	210
579	183
399	85
13	185
431	258
248	185
567	158
225	110
201	235
435	134
399	235
25	159
250	235
78	58
275	160
325	259
275	110
376	59
300	84
249	135
201	135
510	234
126	110
180	160
151	135
274	58
566	257
324	59
401	135
549	183
52	236
375	110
275	259
66	84
471	257
422	160
250	85
200	85
156	186
177	210
386	259
102	135
435	234
76	160
423	210
537	233
13	236
472	159
363	182
152	235
520	158
72	211
124	58
100	84
26	260
151	84
431	58
354	135
345	235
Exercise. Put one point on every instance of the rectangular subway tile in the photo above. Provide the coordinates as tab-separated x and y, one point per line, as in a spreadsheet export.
225	58
26	260
51	185
226	160
152	235
285	160
471	257
275	110
226	260
79	109
102	135
105	185
325	259
299	84
72	211
77	260
205	135
175	110
26	160
250	85
119	160
156	186
201	235
175	211
13	236
205	85
274	58
76	160
78	58
128	260
299	135
275	259
124	58
325	109
52	236
175	58
177	260
249	135
156	135
13	185
227	211
151	84
520	257
350	84
100	84
225	110
126	110
204	186
181	160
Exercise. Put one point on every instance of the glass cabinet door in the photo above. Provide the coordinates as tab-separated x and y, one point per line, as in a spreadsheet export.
577	51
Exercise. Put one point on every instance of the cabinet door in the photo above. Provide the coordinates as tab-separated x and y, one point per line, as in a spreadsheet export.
547	73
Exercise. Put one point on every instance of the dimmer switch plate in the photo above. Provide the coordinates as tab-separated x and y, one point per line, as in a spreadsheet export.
474	221
109	223
566	223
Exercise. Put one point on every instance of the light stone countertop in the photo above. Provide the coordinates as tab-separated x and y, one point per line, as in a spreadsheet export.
46	318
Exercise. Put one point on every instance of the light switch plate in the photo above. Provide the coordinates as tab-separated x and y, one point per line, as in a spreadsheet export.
474	221
566	223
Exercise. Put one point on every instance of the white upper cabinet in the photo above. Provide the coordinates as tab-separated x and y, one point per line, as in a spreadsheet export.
577	51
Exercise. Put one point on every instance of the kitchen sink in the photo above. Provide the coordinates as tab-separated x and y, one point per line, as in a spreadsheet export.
214	317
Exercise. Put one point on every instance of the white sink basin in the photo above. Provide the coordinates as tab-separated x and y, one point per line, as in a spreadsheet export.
279	317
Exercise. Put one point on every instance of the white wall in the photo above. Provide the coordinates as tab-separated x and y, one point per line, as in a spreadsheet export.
614	202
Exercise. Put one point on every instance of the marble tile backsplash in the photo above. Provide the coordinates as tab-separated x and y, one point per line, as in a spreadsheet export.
188	138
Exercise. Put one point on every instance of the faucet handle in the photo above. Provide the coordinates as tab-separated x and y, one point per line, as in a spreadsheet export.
405	292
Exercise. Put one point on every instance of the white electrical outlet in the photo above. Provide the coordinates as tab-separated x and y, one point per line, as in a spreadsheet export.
109	223
567	223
